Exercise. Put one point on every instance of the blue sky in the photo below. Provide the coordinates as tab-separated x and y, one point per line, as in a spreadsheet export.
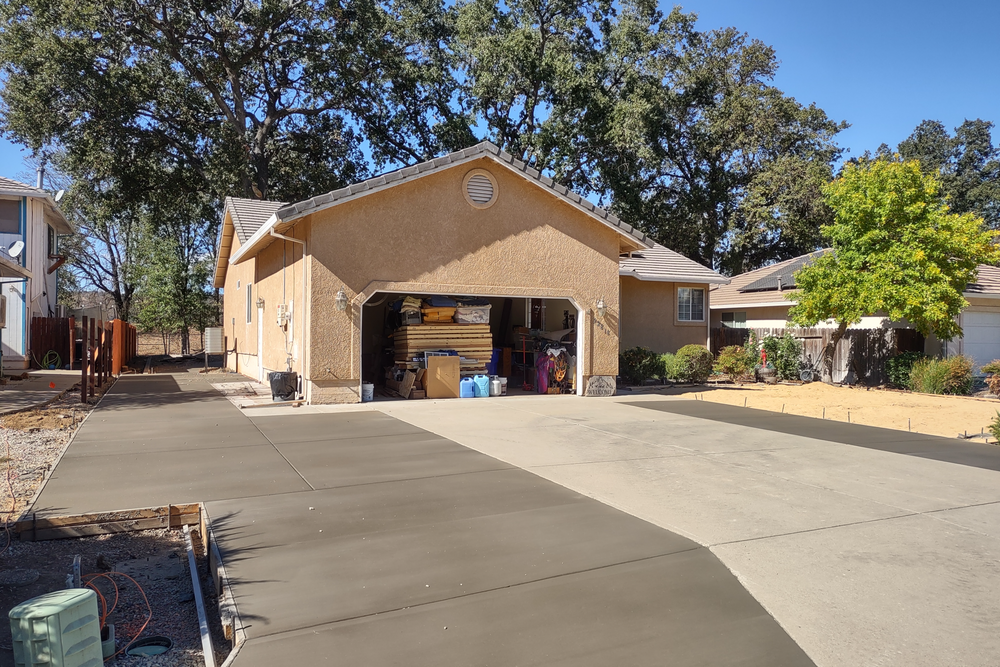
881	65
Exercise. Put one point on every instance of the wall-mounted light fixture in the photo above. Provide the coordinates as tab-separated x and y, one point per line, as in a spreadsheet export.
260	302
601	308
341	300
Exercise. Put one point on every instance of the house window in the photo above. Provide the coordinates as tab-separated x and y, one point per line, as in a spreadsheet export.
10	216
690	304
249	303
737	320
53	241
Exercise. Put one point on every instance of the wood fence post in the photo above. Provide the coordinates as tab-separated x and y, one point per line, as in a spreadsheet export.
83	363
72	341
92	334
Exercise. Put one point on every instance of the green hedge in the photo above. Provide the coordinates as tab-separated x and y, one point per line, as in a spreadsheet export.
694	363
638	364
942	376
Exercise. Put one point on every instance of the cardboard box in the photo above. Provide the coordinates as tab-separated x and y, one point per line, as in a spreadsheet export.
443	376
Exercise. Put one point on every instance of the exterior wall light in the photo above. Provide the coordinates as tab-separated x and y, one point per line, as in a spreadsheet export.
341	300
260	302
601	308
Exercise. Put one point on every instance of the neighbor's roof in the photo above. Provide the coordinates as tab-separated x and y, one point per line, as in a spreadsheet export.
9	269
759	288
16	189
288	214
664	265
987	282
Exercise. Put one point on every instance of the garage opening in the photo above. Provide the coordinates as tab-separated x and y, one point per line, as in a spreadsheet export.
443	346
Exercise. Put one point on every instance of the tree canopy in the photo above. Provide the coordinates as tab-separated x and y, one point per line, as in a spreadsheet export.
896	250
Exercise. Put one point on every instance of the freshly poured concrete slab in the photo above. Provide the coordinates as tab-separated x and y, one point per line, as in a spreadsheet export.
917	591
326	427
367	460
219	427
111	444
82	484
926	446
679	610
302	583
408	504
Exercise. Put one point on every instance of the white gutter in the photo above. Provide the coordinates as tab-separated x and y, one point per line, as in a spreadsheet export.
721	280
768	304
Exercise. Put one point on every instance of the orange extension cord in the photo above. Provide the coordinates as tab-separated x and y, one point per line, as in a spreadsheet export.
89	583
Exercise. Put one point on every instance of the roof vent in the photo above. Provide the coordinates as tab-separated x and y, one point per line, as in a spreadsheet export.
480	188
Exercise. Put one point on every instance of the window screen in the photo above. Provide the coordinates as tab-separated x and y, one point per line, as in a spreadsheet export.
249	303
10	216
690	304
735	320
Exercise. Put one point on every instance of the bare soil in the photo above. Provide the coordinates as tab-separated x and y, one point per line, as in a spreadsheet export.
948	416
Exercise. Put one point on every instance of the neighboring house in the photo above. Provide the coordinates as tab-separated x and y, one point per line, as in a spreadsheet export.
308	285
28	280
758	300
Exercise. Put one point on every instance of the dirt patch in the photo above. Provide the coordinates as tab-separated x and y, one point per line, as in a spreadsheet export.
155	559
50	418
948	416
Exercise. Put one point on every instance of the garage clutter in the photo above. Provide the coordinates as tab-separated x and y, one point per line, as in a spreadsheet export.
443	347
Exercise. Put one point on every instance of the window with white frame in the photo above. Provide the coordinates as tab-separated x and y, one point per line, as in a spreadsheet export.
249	303
735	320
690	304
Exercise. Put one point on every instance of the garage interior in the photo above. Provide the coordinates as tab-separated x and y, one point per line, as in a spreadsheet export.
525	345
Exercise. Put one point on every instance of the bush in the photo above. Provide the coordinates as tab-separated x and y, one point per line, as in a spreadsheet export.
942	376
785	355
638	364
671	371
992	371
694	363
995	427
735	362
898	368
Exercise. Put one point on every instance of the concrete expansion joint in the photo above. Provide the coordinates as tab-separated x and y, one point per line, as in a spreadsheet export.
815	530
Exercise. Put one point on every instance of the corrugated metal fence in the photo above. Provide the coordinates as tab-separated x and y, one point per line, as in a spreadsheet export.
860	357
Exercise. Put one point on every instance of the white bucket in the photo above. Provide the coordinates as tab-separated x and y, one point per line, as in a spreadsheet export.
503	386
367	392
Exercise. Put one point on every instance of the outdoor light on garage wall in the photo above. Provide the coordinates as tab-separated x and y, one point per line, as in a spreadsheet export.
260	302
341	300
601	308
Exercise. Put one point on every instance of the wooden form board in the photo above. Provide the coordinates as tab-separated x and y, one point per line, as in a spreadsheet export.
104	523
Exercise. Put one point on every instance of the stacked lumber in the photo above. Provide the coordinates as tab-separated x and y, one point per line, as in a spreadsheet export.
473	342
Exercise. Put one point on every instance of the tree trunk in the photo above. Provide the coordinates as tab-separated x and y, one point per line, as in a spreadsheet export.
830	351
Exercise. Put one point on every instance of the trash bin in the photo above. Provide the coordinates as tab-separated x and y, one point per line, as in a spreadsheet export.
283	385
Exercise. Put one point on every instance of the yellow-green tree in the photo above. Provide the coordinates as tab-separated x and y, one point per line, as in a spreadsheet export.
897	251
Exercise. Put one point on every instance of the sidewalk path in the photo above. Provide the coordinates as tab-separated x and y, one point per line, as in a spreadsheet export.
24	394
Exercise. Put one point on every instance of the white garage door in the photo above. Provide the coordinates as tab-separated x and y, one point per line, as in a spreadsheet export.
981	336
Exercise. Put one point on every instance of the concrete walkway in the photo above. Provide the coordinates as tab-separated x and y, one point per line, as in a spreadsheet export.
865	556
358	538
24	394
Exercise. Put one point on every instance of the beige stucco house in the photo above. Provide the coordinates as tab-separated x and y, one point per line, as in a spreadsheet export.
307	286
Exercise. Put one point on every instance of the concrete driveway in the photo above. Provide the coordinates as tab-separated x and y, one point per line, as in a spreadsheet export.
869	547
352	537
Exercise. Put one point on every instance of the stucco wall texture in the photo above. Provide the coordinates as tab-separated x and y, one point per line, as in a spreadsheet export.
649	317
422	236
241	336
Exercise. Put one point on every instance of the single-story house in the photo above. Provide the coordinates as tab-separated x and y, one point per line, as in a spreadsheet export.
317	286
30	226
758	300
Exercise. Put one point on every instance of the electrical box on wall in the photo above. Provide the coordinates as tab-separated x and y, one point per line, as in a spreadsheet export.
282	315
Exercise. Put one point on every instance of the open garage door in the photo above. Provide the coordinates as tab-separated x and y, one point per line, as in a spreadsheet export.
529	344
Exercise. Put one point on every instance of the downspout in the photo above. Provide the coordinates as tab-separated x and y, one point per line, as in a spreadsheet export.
303	304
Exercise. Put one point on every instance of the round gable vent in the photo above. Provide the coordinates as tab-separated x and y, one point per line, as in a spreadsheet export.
480	188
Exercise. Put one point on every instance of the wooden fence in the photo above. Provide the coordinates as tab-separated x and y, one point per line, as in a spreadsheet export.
51	335
860	356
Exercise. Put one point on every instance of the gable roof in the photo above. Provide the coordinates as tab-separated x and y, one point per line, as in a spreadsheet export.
249	214
662	264
987	282
14	188
286	215
781	277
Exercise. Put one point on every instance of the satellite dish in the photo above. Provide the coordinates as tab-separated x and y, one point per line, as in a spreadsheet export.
15	248
59	195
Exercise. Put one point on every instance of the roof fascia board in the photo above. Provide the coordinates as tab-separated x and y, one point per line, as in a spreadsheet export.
721	280
981	295
263	231
222	263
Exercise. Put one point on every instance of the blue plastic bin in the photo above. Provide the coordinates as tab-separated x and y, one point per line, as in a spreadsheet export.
494	363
